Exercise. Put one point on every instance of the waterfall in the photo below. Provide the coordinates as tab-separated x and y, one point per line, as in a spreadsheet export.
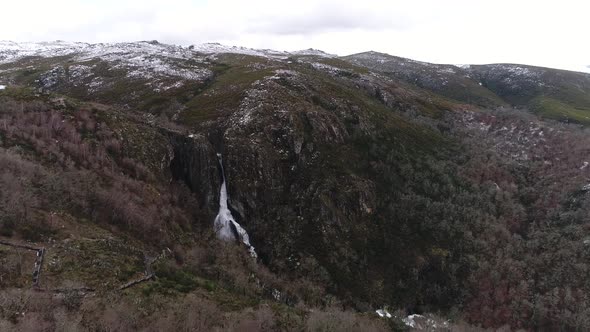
226	227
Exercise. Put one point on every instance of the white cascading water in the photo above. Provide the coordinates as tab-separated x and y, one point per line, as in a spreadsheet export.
225	226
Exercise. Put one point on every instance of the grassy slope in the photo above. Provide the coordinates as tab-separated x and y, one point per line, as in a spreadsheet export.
564	96
556	109
445	80
233	74
551	93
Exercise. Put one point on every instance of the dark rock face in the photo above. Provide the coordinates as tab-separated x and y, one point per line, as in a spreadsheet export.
289	183
305	157
194	162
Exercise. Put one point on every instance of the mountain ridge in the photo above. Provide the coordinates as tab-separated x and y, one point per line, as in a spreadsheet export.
214	47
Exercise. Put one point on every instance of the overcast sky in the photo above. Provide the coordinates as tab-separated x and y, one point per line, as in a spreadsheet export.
545	33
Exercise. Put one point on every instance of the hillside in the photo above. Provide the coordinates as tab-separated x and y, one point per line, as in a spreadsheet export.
552	93
362	182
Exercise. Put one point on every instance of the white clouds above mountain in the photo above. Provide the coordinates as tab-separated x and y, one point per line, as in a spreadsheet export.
545	33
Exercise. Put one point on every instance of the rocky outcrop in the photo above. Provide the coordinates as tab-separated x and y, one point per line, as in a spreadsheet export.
194	162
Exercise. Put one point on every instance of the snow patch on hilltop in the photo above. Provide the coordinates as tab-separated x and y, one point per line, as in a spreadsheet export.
216	48
312	51
11	51
164	66
143	59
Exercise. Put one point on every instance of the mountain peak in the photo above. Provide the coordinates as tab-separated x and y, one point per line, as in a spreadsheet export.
313	51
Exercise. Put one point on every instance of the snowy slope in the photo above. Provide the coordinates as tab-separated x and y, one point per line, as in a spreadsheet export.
12	51
141	59
162	66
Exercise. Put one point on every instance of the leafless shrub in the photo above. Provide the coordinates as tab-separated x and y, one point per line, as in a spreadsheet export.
337	320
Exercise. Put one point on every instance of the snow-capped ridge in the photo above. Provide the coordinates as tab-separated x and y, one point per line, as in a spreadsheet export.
11	51
217	48
313	51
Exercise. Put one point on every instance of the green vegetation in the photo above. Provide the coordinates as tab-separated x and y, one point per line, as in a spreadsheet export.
20	93
446	81
555	109
225	92
339	63
100	263
172	279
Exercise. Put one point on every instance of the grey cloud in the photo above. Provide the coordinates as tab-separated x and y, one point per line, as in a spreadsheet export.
328	20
